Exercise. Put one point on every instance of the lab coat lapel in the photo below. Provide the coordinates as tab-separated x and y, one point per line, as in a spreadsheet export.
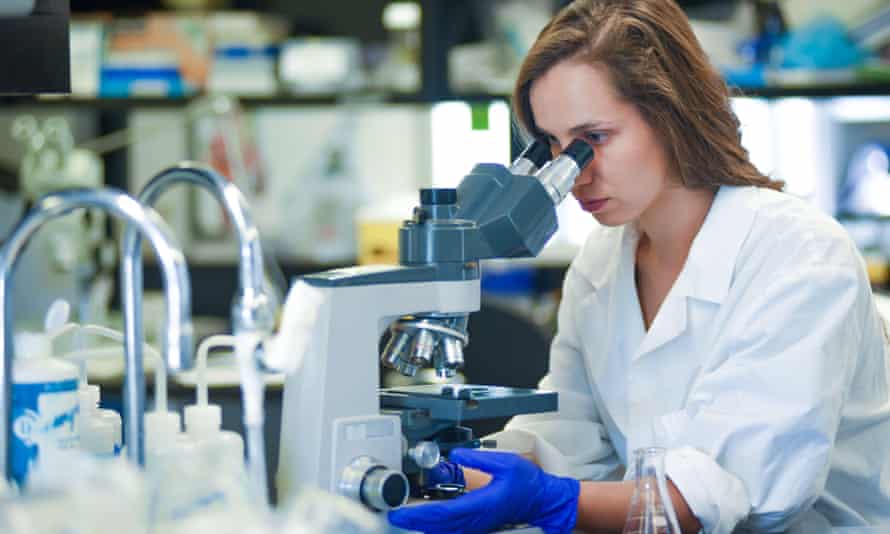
602	312
670	321
605	324
709	267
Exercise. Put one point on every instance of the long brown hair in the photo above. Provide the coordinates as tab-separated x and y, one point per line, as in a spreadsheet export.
656	63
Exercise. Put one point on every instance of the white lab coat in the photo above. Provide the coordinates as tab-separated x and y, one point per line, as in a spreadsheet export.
764	372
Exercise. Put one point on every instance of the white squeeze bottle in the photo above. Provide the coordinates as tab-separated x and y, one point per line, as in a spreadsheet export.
203	421
100	430
165	444
44	403
162	427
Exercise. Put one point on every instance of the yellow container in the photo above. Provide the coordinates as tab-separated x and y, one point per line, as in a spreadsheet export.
878	270
378	242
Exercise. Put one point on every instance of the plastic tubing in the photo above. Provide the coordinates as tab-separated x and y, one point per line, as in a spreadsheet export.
114	335
253	388
210	342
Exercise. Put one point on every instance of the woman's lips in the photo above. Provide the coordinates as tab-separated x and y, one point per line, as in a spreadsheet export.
594	205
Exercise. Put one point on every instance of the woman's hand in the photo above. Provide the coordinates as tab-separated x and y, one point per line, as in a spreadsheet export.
519	492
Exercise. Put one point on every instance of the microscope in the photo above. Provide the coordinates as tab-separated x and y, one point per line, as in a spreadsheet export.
340	432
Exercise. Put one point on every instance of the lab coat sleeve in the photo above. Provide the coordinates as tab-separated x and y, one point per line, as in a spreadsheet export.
754	440
571	441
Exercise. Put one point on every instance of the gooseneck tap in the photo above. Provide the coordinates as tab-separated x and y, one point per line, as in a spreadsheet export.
253	310
177	345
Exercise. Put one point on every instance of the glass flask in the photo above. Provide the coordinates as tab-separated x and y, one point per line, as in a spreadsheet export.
651	510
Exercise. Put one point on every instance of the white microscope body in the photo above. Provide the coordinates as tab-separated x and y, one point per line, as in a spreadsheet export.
333	434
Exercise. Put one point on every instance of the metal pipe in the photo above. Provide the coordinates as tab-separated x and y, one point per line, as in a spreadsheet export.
178	340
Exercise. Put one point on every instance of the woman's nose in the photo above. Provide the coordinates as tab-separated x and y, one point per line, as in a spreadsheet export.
586	176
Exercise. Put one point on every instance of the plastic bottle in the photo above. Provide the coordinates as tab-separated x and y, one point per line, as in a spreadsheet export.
44	403
165	444
203	421
100	429
651	509
165	423
162	438
204	425
197	475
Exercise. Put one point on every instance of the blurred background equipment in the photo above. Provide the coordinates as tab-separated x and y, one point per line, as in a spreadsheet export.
866	189
34	46
16	8
73	257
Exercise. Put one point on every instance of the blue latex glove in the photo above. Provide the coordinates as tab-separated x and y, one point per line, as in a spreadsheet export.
445	472
519	493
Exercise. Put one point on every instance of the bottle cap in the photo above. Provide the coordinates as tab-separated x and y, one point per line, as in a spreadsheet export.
32	345
161	430
202	420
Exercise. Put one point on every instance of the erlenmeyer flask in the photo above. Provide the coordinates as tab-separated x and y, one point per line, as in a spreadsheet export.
651	510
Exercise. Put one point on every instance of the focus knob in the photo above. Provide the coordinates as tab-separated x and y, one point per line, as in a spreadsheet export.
425	454
385	489
374	484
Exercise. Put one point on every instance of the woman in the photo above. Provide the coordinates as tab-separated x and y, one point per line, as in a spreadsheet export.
710	314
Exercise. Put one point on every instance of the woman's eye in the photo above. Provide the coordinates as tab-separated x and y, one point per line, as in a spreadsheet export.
596	137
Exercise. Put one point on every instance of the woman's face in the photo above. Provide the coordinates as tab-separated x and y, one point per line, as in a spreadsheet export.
629	170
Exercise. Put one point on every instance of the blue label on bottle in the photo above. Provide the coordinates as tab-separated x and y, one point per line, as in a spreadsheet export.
44	416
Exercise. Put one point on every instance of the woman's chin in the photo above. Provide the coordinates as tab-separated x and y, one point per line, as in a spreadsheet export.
609	219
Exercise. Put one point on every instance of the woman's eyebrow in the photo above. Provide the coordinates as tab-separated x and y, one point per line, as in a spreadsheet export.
580	128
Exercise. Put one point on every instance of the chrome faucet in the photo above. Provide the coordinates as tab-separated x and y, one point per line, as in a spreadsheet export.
177	347
253	310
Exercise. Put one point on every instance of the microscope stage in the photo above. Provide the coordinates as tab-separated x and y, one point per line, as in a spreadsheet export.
467	402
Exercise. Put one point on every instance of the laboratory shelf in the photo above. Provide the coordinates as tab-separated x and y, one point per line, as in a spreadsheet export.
284	100
8	102
814	91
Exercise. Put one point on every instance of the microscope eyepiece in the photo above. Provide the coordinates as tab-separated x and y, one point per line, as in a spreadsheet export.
538	152
580	151
535	156
559	175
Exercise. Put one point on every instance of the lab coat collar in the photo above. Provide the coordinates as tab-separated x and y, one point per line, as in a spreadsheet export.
708	271
604	255
709	266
